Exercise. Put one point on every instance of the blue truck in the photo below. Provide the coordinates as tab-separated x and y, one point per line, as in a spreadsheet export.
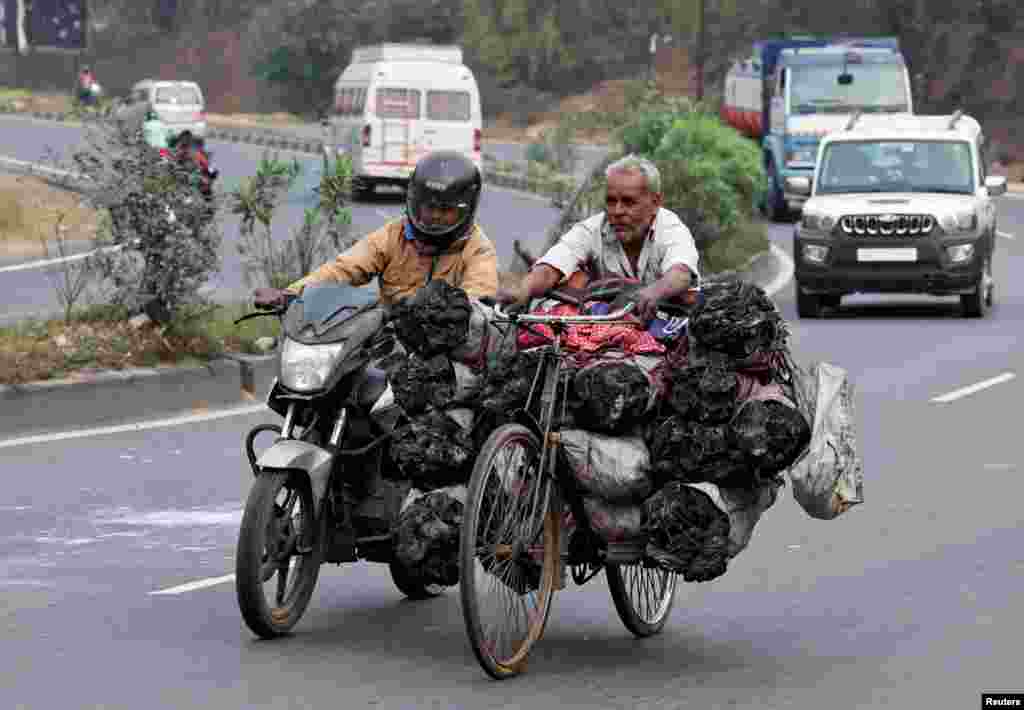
791	92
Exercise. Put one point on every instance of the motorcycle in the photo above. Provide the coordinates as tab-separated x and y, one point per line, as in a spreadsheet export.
326	490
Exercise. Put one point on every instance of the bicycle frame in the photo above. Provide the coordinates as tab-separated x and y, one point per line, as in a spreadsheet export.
564	490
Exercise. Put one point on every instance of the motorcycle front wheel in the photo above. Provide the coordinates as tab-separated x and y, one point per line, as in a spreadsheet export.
279	552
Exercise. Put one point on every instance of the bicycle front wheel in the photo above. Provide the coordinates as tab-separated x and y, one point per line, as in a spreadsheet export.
509	551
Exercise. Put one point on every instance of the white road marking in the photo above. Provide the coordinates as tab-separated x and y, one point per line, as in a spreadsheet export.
965	391
192	586
784	276
138	426
1006	235
57	260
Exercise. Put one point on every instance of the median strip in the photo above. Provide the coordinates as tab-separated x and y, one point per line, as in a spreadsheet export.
978	387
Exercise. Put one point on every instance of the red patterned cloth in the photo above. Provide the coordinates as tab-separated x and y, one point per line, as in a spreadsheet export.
591	338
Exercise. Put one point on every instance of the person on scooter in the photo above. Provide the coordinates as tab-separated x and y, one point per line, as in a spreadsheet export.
438	238
633	238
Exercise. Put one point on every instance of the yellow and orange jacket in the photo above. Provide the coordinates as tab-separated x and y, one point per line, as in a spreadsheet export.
471	263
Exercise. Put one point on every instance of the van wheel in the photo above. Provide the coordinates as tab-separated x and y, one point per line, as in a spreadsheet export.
807	305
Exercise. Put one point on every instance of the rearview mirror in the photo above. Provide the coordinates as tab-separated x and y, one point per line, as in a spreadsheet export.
996	185
845	79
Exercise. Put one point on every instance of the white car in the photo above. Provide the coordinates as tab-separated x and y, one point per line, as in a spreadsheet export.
899	205
180	105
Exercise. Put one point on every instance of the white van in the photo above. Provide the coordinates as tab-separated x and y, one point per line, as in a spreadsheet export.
396	103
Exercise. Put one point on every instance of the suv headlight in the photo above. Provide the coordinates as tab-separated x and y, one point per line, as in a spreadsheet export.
816	222
960	222
306	367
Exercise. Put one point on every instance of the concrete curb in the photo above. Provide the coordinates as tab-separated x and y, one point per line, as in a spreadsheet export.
108	397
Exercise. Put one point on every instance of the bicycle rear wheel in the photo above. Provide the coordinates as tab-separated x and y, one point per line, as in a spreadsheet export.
643	596
509	551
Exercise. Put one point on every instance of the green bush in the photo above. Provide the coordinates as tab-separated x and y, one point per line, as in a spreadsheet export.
645	133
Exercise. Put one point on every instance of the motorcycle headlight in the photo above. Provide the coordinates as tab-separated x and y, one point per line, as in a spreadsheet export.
306	367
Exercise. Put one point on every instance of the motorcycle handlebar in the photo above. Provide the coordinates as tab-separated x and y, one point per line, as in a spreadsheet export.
565	320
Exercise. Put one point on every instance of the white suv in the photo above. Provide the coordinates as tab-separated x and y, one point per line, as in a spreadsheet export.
899	205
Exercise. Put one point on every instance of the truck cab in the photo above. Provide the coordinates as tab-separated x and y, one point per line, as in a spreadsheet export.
793	92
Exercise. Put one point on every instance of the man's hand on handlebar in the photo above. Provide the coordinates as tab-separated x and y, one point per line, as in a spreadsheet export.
647	302
268	298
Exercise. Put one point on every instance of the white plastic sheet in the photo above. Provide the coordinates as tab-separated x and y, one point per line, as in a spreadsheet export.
614	468
828	479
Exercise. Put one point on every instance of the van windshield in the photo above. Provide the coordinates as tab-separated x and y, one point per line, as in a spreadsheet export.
448	105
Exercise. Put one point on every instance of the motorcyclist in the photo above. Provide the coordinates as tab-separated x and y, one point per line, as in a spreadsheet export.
438	238
188	149
633	238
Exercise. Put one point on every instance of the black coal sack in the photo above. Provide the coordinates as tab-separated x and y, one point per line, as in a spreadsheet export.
705	390
687	533
737	318
508	381
433	451
435	320
419	383
692	452
770	434
611	397
426	537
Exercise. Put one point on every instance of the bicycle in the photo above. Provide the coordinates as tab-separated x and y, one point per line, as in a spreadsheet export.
530	550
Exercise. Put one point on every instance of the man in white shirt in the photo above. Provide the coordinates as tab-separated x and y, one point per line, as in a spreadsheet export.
635	237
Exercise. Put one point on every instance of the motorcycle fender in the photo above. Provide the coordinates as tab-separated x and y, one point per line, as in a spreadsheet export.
291	454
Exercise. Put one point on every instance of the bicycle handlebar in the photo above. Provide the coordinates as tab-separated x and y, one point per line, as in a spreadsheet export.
565	320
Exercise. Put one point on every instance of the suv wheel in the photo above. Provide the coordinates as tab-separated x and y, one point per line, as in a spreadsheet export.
977	303
807	305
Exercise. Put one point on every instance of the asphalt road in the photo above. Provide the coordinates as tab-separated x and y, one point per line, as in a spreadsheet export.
506	215
913	599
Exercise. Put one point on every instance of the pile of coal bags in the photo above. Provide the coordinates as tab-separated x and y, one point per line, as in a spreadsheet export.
426	535
436	372
727	430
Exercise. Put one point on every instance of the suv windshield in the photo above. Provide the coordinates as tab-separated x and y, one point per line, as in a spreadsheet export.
897	166
876	88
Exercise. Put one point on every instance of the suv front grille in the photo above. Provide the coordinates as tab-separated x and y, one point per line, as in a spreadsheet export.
887	225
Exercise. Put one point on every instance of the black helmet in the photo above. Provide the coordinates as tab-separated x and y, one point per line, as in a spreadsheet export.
445	179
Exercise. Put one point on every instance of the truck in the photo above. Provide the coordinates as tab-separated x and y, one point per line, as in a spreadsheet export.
792	92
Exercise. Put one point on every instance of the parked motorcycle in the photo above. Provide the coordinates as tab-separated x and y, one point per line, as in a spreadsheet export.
326	490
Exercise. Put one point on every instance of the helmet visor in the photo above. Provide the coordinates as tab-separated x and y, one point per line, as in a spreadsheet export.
439	217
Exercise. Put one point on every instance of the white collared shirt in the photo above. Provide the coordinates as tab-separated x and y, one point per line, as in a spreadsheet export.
592	246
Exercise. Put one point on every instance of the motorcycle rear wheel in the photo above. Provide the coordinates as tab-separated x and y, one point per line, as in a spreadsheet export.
275	543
